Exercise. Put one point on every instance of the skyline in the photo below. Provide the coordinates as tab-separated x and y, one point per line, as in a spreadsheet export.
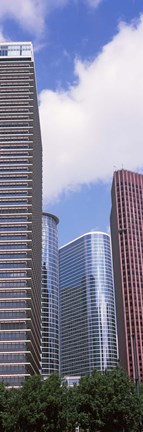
89	75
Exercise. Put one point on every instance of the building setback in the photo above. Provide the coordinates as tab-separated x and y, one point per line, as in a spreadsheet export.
87	308
20	215
127	245
50	296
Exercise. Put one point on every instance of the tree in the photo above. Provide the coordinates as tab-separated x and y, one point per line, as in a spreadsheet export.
11	412
141	404
31	417
72	413
103	402
108	402
54	402
3	405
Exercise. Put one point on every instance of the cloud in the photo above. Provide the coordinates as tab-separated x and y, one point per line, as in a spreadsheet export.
98	123
93	3
2	36
31	14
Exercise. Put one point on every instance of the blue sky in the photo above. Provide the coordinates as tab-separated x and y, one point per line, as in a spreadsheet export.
89	67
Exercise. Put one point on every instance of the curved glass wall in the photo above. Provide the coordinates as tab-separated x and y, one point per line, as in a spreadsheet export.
50	296
87	306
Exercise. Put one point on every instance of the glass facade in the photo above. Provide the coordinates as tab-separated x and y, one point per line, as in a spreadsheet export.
50	296
87	308
20	215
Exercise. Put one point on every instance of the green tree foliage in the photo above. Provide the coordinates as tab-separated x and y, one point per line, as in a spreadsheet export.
30	417
42	407
72	406
103	402
54	402
10	415
108	402
3	405
141	404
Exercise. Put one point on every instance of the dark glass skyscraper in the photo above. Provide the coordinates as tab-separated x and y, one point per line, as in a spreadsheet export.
127	245
20	215
50	296
87	309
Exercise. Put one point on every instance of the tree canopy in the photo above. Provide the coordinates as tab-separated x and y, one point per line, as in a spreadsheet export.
108	402
102	402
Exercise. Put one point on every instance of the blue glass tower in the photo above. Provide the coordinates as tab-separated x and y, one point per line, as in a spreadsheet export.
50	296
87	306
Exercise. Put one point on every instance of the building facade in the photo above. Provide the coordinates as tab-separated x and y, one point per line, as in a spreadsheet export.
127	245
50	296
87	309
20	215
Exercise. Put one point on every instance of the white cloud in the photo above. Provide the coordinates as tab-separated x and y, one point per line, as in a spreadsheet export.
29	13
61	3
2	36
93	3
98	123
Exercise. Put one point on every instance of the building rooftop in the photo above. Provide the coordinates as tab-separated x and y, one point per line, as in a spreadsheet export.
16	49
84	235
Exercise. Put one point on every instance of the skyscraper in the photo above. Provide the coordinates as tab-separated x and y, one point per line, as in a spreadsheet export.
20	215
50	296
87	309
127	244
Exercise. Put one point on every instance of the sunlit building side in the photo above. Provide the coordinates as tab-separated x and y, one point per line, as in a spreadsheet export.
87	308
50	296
127	245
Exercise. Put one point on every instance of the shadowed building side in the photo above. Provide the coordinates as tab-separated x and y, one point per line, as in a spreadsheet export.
20	215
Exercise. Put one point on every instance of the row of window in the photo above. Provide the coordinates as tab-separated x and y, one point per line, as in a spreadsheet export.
12	326
13	336
12	347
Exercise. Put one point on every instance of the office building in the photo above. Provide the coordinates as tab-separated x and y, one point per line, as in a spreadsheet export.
72	381
20	215
50	296
87	309
127	245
